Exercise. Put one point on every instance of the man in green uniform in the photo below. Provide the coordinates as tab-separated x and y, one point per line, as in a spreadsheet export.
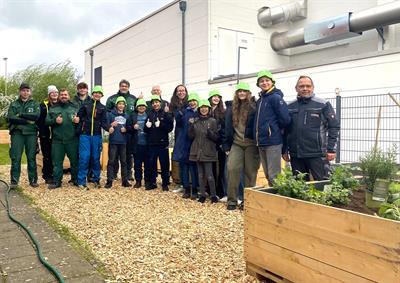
82	95
63	119
22	115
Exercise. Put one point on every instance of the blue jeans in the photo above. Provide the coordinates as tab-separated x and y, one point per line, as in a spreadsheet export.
89	154
142	158
186	169
162	154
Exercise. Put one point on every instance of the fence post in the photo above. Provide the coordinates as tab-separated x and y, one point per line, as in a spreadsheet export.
338	116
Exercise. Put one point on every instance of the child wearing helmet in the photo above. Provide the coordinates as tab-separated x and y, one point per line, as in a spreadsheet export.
158	125
239	144
182	147
93	118
117	119
139	142
203	131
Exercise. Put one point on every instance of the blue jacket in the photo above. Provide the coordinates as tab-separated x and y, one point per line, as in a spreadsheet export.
183	142
272	117
117	137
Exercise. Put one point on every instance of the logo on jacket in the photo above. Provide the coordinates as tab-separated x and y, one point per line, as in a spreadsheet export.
30	110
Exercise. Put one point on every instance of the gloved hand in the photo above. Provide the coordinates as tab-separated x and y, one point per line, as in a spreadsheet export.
157	123
148	123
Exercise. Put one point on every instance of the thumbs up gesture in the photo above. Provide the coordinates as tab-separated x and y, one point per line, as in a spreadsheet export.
157	123
75	119
148	123
59	119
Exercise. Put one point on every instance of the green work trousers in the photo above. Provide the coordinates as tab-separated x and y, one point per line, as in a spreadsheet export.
19	142
241	159
58	151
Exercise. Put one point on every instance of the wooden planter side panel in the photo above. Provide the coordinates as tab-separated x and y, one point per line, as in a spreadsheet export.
353	244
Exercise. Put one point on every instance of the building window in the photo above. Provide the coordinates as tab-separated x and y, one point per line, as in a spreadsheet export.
98	76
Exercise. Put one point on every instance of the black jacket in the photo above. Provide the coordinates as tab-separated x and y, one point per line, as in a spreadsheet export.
93	117
314	128
228	132
44	130
159	135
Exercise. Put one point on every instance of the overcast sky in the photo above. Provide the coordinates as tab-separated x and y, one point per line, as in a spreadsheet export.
52	31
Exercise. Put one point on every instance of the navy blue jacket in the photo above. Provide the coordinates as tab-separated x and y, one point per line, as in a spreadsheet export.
159	135
117	137
183	142
272	117
228	133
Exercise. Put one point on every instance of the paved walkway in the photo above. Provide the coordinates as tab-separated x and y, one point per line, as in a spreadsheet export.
18	260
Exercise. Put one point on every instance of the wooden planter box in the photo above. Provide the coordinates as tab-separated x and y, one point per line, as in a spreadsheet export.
289	240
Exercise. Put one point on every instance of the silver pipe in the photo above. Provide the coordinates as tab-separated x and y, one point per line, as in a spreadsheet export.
382	15
268	16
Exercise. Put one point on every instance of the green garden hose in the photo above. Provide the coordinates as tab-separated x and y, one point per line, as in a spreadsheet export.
51	268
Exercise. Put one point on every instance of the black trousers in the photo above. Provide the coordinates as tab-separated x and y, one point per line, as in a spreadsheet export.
117	152
45	147
219	173
318	167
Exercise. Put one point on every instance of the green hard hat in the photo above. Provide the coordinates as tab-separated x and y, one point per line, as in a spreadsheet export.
193	96
265	73
97	88
155	97
204	102
119	99
214	92
243	86
141	102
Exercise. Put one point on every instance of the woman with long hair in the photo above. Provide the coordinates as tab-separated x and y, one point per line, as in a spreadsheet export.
239	144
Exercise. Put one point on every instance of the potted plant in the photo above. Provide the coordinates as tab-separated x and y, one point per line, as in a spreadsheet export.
378	168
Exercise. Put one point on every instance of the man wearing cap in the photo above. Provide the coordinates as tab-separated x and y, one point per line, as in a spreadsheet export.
82	96
63	119
272	117
130	99
159	123
92	118
312	135
156	90
22	116
45	133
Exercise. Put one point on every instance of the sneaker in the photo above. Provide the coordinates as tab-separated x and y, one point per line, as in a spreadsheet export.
13	185
138	184
54	186
239	201
97	185
48	181
178	189
126	184
214	199
165	188
83	187
108	184
34	184
148	186
194	194
241	205
231	207
224	199
201	199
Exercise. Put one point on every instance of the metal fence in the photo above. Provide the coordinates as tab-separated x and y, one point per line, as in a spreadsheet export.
359	118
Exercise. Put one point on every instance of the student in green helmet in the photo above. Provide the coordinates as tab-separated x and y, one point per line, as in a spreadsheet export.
204	133
63	119
22	116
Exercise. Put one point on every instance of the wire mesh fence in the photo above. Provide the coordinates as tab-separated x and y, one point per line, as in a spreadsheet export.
366	120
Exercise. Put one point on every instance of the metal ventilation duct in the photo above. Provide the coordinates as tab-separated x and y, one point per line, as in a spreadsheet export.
338	27
295	11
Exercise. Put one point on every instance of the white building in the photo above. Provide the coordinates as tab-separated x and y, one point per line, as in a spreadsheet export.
149	51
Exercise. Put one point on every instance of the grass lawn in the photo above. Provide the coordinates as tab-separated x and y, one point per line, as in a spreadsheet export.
5	157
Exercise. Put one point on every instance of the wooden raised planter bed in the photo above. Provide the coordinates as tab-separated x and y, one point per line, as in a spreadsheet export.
289	240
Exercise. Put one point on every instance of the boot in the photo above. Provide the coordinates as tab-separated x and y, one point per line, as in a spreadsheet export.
194	194
138	184
108	184
186	194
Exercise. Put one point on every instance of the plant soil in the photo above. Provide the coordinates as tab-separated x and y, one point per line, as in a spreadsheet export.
357	203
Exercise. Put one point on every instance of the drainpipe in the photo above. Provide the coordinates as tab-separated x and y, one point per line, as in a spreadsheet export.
182	7
91	53
338	27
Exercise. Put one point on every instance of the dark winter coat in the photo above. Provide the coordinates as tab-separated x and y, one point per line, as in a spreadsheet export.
44	130
79	102
271	118
228	133
130	99
66	132
93	118
204	134
183	142
159	135
314	129
22	116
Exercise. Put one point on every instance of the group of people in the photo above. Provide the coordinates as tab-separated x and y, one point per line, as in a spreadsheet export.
218	146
